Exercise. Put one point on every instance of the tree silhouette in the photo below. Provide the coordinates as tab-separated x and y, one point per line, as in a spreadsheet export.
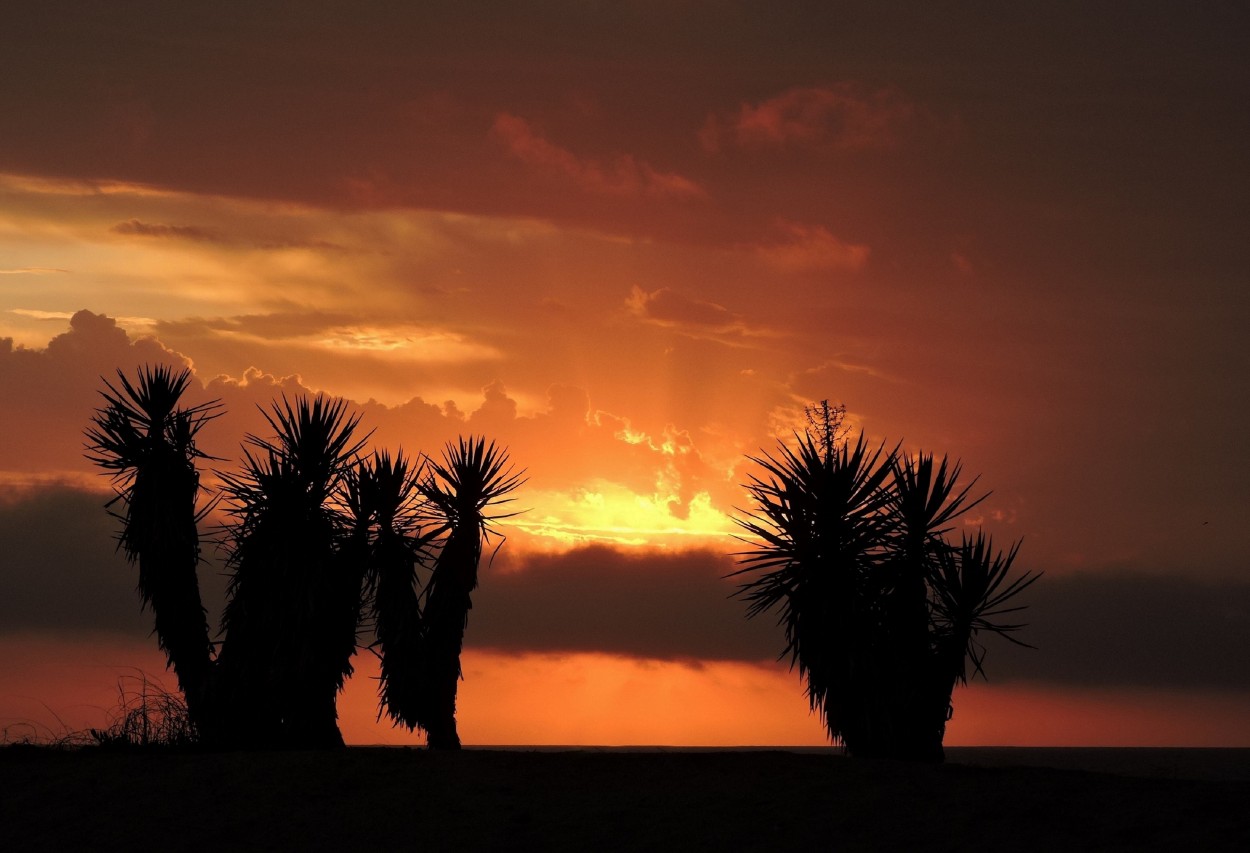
319	537
147	442
389	513
881	613
472	477
294	595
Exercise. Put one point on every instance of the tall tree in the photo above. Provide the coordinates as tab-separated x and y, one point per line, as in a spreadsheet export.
472	477
294	595
147	442
880	612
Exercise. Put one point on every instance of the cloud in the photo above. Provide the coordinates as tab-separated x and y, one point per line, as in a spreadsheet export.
649	604
591	470
47	395
64	577
811	248
62	572
346	338
696	318
668	307
1122	630
839	117
135	228
197	234
1131	629
625	175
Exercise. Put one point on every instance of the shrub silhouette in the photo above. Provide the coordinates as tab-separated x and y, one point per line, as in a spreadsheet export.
147	443
294	597
322	541
881	613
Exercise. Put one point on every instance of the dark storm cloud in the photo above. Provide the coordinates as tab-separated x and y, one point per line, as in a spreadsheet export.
60	570
651	604
1124	629
1127	629
63	577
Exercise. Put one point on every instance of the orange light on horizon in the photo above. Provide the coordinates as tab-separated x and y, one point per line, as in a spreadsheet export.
603	700
53	687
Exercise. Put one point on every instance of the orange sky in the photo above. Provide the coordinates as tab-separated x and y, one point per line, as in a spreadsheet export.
631	243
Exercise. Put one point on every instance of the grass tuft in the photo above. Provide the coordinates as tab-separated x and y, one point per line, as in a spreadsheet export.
146	716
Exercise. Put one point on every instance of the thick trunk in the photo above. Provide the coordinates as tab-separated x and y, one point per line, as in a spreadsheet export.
168	549
397	615
446	617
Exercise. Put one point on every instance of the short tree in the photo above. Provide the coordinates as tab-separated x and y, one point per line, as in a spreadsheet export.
881	612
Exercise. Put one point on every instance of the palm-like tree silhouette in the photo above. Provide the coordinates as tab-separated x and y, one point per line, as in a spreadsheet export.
384	500
880	612
472	477
294	596
318	538
147	442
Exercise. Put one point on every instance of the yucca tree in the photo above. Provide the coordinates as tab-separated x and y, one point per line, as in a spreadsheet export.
821	528
294	595
971	589
471	478
384	500
925	499
146	441
879	611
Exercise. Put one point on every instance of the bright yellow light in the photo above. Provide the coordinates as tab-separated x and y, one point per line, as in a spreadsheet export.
610	513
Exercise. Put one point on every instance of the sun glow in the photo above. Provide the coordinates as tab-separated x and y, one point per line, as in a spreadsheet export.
609	513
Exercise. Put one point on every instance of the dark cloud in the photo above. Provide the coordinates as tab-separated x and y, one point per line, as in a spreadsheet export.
396	105
63	577
62	574
673	606
625	176
1089	630
1129	629
841	116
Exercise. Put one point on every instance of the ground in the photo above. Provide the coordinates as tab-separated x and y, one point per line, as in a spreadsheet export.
390	799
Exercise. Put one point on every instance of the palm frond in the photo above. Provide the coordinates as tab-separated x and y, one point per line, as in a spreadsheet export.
926	500
972	588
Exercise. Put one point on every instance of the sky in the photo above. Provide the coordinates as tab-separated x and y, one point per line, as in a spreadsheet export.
631	241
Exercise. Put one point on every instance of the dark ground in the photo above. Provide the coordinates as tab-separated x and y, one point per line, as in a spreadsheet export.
390	799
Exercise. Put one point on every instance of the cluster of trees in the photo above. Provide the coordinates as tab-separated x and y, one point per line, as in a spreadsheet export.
881	610
325	542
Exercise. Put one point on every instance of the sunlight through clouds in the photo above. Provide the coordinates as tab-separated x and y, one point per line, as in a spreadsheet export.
632	247
611	513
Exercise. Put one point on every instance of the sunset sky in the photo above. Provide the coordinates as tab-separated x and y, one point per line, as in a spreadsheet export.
631	241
